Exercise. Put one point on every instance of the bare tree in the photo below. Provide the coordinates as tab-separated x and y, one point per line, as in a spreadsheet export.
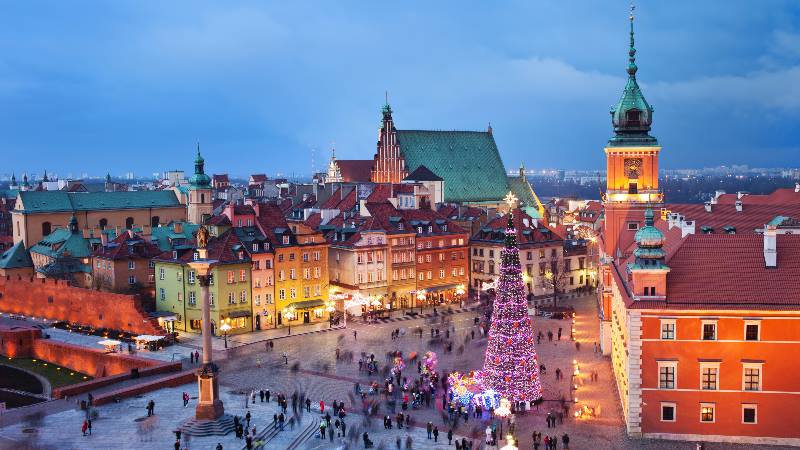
555	278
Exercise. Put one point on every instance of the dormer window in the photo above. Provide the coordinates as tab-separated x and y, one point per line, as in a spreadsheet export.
419	230
174	254
286	240
430	228
255	247
400	226
444	227
195	256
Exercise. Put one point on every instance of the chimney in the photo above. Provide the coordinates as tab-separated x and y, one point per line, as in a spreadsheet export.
770	246
738	206
708	207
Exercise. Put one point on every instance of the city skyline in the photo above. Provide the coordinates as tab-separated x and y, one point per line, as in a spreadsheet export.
142	85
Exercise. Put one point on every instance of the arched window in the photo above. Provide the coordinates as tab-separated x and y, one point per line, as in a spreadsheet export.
154	221
633	117
103	223
129	223
46	228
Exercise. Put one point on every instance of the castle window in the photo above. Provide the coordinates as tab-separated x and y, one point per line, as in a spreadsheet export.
46	228
154	221
129	223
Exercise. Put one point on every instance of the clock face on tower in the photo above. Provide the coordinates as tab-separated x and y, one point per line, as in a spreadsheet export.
633	167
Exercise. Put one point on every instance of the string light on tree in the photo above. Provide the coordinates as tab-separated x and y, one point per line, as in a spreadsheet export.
511	367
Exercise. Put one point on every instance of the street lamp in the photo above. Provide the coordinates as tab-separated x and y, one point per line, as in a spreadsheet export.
503	411
330	308
510	443
289	314
421	295
225	327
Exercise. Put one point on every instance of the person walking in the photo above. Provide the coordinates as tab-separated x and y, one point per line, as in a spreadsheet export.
429	428
219	446
196	357
559	333
89	426
435	434
565	441
450	437
355	335
285	358
84	427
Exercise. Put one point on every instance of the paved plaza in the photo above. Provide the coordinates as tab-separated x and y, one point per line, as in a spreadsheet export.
312	369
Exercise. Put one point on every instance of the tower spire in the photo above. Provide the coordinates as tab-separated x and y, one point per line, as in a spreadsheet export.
632	51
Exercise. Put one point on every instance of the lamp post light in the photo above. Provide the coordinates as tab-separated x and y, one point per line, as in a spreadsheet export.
330	308
421	295
510	443
503	411
225	327
289	314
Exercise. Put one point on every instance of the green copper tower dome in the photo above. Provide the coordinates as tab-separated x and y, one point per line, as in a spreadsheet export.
632	116
649	251
199	180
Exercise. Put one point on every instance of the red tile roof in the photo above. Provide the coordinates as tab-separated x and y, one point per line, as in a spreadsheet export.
729	269
341	201
126	246
494	230
752	216
778	196
218	178
355	169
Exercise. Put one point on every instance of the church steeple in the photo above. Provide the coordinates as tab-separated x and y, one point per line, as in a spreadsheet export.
199	180
632	116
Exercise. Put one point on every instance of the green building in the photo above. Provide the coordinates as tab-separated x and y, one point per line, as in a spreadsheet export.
178	290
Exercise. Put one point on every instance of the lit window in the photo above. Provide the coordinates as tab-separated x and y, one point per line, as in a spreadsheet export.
131	265
131	280
231	277
161	273
162	294
191	277
707	412
192	298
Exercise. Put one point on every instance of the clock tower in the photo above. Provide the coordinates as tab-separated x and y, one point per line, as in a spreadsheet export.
631	165
631	186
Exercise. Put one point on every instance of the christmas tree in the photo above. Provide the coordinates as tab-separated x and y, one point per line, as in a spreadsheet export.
511	367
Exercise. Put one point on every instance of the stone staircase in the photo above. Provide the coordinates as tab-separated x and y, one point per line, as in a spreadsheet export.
202	428
307	433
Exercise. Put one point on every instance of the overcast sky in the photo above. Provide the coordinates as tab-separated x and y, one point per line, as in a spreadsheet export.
132	85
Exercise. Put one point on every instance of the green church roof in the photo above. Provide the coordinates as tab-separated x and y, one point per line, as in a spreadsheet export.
468	161
63	241
60	201
16	257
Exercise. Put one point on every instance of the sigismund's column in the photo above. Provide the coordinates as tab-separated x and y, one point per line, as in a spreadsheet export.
209	406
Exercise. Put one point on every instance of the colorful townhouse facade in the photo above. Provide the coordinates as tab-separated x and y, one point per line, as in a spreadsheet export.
125	264
178	289
300	267
540	252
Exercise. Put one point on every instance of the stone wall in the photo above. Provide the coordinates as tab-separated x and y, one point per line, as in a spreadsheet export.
96	363
17	342
57	300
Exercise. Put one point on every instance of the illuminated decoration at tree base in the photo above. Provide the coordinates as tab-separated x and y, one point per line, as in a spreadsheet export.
465	389
511	367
